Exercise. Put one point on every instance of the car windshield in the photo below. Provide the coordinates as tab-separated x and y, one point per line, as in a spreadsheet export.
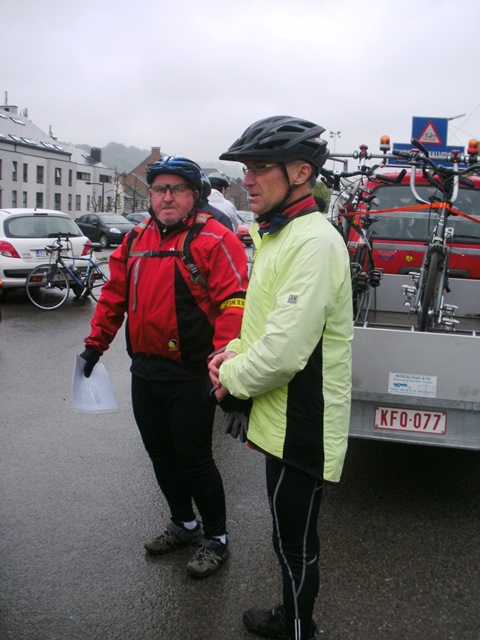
113	218
40	227
418	225
248	217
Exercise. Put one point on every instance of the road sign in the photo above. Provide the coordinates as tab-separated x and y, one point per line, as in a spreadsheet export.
432	133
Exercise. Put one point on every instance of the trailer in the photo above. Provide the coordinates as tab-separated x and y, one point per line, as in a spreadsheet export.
411	386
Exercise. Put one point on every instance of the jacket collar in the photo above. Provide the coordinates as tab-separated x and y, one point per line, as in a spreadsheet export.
300	207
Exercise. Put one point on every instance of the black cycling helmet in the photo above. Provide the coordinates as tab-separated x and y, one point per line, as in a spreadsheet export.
178	166
281	139
218	179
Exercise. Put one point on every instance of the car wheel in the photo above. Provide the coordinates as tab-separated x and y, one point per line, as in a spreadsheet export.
104	241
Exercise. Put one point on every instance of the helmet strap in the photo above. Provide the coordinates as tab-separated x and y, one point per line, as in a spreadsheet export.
279	208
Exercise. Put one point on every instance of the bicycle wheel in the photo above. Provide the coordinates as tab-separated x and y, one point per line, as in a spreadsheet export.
358	280
97	277
430	289
47	287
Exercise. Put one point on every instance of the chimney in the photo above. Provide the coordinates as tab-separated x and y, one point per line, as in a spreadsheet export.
96	154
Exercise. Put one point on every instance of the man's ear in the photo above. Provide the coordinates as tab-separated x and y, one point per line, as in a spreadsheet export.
303	173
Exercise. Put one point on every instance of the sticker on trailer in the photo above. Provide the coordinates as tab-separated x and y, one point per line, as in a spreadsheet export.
412	384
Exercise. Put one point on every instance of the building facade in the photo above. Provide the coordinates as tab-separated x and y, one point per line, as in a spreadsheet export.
38	172
134	184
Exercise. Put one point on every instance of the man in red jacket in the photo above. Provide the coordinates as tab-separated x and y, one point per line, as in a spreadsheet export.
181	277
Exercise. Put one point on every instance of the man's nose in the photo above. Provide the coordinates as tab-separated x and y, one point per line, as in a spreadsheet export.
248	180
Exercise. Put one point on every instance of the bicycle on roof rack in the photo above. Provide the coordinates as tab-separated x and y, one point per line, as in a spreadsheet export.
48	285
426	297
348	193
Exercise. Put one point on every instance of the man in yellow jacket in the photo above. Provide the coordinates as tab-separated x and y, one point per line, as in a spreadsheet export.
293	357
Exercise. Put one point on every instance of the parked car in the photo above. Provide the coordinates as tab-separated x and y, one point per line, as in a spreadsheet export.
135	218
105	228
245	219
24	234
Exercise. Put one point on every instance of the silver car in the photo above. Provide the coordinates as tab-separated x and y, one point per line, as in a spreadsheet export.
24	233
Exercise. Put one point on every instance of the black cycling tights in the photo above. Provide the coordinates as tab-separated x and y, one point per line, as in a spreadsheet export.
295	499
175	420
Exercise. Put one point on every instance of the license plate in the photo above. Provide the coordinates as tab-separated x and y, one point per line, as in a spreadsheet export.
411	420
41	253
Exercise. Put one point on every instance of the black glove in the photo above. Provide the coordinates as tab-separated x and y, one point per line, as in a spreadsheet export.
91	357
237	413
235	424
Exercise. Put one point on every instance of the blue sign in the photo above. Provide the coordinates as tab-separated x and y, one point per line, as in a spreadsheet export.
432	133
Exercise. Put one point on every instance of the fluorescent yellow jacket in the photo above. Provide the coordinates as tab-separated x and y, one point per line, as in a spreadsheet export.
294	351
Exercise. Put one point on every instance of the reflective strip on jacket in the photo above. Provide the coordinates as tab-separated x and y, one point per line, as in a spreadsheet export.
294	352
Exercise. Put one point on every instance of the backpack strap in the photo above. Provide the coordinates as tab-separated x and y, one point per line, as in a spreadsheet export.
183	246
191	234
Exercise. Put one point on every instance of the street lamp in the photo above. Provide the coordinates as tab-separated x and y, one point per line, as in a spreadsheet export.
100	184
335	135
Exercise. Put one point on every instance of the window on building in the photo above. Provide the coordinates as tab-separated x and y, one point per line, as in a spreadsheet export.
40	173
14	170
24	200
70	177
58	176
57	201
83	176
39	200
102	178
78	203
14	199
1	205
88	203
25	172
0	169
69	205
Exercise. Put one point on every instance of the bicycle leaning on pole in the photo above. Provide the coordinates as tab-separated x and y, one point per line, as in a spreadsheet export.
426	297
48	285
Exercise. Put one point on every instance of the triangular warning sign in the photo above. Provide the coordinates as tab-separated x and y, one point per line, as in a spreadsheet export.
430	135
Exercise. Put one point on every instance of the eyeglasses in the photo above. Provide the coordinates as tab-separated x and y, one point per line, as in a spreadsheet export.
175	189
258	169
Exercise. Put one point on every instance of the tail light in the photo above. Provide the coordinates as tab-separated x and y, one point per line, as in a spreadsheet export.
86	248
8	250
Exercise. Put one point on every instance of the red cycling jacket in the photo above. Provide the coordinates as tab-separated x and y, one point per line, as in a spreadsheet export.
172	314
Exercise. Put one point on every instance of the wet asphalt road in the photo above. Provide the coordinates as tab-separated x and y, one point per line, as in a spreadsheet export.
400	534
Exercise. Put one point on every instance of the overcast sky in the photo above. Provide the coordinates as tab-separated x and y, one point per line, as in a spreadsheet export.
191	76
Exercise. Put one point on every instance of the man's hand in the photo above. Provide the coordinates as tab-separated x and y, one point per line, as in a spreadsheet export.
214	367
91	357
